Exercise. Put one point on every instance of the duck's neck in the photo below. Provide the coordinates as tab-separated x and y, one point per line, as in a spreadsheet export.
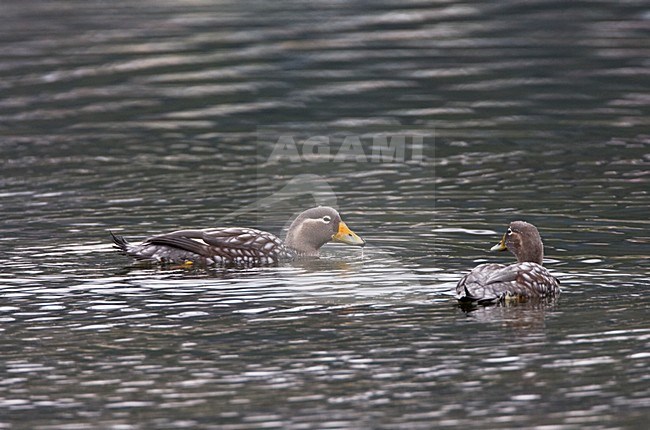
299	253
295	242
532	254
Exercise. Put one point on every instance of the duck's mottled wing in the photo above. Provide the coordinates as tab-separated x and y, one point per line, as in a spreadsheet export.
225	245
534	280
489	283
243	243
475	285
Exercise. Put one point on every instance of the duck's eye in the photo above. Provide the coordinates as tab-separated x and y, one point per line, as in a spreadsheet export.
509	231
327	219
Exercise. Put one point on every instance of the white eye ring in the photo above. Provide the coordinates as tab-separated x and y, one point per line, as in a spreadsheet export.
326	219
509	231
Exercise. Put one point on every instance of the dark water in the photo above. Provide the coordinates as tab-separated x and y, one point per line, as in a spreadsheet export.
143	118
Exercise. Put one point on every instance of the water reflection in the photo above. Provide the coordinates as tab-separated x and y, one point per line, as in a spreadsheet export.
522	318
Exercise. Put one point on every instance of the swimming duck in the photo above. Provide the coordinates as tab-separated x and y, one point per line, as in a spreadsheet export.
527	278
310	230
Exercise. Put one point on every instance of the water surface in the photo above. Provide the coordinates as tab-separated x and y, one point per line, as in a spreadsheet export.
151	117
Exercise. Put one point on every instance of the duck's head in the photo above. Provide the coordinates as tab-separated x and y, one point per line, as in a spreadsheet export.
524	241
315	227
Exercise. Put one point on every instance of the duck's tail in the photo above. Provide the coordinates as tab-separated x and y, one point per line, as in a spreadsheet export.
120	243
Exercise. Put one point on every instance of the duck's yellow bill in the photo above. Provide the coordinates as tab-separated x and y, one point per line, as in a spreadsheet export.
501	246
347	236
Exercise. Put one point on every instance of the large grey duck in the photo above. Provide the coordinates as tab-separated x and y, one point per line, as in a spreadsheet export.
310	230
525	279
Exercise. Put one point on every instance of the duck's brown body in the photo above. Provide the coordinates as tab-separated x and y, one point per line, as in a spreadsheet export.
526	279
220	246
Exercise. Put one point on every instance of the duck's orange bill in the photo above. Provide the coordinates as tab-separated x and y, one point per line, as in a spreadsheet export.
501	246
347	236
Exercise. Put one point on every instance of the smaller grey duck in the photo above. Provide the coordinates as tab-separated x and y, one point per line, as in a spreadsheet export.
527	278
237	246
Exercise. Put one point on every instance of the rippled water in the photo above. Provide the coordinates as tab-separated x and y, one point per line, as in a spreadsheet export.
146	118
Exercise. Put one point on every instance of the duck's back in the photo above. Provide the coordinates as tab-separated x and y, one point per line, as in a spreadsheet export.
491	283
